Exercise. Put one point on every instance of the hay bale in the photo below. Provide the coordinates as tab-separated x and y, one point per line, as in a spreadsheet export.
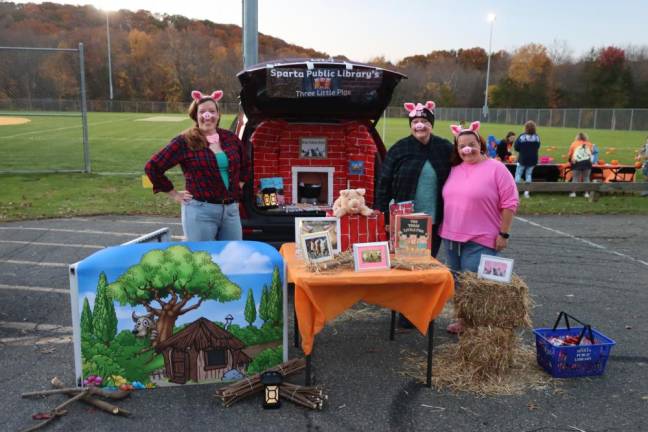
486	303
486	351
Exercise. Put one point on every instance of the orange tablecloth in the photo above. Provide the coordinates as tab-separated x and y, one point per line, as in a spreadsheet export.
419	295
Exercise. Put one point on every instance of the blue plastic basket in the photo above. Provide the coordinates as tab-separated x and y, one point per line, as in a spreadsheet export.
569	361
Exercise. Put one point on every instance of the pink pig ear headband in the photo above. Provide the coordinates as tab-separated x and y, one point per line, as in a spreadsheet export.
198	95
419	110
473	129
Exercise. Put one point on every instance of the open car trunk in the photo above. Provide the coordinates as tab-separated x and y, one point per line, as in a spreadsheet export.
311	132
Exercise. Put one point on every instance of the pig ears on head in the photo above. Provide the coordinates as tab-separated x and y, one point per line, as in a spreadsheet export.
361	191
458	130
216	95
417	109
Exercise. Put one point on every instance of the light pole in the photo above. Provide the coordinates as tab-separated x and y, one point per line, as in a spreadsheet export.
491	19
110	84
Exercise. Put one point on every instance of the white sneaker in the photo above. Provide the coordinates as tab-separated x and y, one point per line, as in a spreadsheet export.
526	194
572	195
586	194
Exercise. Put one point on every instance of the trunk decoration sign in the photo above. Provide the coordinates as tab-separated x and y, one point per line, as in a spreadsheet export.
323	82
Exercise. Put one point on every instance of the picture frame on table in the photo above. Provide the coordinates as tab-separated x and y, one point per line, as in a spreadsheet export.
371	256
495	268
308	225
316	247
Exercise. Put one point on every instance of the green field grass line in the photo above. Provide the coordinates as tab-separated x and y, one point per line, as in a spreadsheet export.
44	131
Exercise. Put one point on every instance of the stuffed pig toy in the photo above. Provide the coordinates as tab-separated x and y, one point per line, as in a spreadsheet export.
351	201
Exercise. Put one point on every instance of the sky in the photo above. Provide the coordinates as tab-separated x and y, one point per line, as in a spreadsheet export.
363	29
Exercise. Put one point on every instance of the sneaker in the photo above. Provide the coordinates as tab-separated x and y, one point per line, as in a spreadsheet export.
526	194
455	327
586	195
572	195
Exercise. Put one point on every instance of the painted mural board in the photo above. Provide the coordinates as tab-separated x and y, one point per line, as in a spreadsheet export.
164	314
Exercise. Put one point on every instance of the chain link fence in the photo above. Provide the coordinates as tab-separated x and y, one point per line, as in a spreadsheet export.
579	118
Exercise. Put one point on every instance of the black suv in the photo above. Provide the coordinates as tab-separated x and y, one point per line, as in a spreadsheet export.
310	131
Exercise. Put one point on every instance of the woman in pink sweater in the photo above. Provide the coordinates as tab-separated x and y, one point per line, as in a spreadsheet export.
480	200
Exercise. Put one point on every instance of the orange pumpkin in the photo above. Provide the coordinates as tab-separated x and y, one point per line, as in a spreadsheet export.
614	162
638	165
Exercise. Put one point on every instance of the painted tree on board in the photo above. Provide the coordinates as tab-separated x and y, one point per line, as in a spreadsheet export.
275	299
263	305
104	318
87	330
250	308
165	281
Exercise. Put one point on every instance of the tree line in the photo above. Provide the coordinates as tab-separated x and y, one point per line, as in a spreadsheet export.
158	57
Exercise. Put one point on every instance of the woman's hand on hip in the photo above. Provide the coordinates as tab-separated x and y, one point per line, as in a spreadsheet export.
181	197
500	243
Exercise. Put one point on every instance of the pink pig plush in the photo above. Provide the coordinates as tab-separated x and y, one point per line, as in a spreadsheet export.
351	201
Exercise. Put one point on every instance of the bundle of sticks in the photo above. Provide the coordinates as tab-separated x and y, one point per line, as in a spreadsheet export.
310	397
252	384
83	394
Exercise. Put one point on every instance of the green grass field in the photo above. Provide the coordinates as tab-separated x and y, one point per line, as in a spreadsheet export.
123	142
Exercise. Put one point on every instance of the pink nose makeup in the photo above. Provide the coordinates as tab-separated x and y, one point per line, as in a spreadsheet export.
419	127
207	115
467	150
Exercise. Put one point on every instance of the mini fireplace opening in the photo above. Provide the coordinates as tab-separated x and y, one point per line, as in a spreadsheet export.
312	185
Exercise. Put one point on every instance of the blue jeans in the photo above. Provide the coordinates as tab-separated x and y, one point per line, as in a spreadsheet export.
465	256
202	221
527	171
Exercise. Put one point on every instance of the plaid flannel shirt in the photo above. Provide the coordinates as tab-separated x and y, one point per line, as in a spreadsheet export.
200	169
402	166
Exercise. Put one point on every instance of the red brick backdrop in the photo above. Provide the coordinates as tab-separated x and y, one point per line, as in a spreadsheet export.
276	151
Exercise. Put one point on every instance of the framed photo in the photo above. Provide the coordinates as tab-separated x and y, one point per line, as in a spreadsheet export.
371	256
495	268
312	148
316	247
308	225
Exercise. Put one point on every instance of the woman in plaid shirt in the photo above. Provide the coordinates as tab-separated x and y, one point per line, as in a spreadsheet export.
215	166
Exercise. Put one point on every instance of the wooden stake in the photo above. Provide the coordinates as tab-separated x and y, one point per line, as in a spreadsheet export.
102	405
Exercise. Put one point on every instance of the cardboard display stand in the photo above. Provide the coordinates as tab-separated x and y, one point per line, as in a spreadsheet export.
161	314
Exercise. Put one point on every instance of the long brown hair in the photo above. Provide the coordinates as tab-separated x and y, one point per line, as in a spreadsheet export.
194	136
455	159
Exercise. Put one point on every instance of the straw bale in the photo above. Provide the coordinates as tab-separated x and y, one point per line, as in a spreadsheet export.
486	303
487	350
450	372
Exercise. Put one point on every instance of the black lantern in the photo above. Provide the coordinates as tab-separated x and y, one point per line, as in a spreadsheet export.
271	381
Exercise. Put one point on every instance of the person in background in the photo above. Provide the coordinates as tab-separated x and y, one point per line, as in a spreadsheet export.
527	145
215	167
415	169
642	157
595	154
480	199
491	146
504	146
580	158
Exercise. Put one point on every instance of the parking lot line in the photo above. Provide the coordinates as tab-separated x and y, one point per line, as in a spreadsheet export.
582	240
88	246
34	289
35	263
35	327
35	340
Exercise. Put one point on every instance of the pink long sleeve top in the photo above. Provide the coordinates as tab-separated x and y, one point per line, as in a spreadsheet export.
474	196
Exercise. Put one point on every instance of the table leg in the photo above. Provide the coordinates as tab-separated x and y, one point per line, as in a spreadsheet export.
307	380
430	348
392	326
295	328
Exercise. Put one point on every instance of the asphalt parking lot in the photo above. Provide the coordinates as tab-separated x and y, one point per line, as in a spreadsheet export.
594	267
